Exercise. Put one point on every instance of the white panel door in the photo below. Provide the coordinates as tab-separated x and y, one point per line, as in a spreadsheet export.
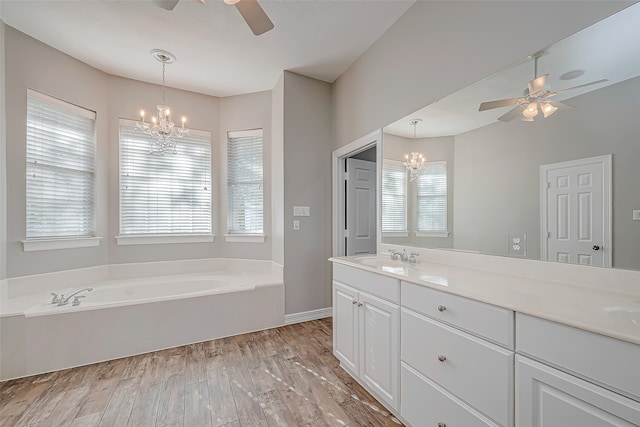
361	207
546	397
345	325
380	347
576	206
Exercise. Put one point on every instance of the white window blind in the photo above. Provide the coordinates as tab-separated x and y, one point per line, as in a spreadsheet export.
168	194
61	146
394	197
244	182
432	197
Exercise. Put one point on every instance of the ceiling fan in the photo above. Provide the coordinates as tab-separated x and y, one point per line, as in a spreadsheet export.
253	14
535	99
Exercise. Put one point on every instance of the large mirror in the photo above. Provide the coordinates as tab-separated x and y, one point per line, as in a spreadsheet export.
540	174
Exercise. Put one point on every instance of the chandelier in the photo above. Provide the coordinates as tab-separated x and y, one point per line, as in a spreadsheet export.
414	161
162	132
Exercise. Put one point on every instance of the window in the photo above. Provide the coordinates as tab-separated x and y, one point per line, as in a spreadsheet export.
432	198
394	198
61	145
244	183
164	195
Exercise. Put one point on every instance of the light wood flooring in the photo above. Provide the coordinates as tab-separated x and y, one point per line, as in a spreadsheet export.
279	377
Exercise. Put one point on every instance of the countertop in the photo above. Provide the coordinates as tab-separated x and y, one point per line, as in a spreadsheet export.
612	314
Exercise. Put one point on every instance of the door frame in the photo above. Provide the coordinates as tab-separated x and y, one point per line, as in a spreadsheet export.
605	163
338	160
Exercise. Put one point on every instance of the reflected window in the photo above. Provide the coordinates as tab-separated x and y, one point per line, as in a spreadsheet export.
432	198
394	198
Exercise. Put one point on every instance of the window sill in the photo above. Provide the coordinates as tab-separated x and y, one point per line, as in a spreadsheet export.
395	234
32	245
163	239
244	238
432	234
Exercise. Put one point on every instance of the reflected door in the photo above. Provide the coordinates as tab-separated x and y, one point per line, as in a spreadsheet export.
576	211
361	207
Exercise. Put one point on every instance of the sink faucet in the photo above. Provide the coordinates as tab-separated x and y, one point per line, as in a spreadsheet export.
60	300
412	258
395	255
403	256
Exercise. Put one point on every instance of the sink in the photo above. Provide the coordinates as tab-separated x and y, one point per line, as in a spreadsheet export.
376	261
624	314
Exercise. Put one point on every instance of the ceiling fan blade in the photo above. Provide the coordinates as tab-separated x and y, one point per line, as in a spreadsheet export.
512	114
255	16
166	4
558	105
489	105
537	85
578	87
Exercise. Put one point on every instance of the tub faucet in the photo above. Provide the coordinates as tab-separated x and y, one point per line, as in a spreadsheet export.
61	300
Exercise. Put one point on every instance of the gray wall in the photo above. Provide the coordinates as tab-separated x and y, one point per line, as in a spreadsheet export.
277	172
3	174
498	171
307	182
438	47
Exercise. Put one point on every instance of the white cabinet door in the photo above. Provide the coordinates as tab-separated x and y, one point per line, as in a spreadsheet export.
345	325
379	346
546	397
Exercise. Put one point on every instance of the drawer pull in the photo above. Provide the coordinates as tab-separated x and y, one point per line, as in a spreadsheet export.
442	308
359	304
354	302
442	425
442	358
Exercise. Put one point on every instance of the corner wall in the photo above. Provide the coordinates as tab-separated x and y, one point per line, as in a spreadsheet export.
307	182
3	164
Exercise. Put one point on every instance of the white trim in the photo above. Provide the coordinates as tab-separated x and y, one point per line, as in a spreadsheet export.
395	234
432	234
338	157
245	133
244	238
607	208
163	239
305	316
33	245
81	111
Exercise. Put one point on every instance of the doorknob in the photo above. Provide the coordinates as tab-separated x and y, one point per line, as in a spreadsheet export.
596	248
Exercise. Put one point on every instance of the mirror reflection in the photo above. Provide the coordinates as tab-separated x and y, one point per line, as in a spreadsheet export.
549	171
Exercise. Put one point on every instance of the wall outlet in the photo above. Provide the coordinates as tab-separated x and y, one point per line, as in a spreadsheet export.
296	225
301	211
636	215
517	244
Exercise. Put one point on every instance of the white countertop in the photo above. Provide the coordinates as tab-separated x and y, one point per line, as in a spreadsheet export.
601	311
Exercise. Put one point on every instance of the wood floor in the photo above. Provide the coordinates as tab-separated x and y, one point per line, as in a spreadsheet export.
279	377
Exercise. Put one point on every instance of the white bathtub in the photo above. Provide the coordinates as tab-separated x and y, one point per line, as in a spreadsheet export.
132	309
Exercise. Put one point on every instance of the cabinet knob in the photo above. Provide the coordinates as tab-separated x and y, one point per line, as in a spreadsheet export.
354	302
359	304
442	308
442	358
442	425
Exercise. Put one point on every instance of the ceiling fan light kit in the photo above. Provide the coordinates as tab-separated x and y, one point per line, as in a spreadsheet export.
535	99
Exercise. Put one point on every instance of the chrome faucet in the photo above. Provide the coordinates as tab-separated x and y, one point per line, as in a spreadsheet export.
412	258
60	300
395	255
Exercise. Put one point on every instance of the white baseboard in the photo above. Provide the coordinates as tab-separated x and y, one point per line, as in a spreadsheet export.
305	316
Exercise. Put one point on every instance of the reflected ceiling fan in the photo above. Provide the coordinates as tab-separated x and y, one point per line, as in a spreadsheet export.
535	99
253	14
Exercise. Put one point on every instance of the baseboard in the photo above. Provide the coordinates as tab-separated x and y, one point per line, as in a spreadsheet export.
305	316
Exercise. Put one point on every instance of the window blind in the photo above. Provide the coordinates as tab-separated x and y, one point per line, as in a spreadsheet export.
394	197
61	146
244	182
168	194
432	197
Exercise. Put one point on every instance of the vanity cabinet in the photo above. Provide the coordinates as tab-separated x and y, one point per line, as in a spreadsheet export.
452	374
567	376
366	330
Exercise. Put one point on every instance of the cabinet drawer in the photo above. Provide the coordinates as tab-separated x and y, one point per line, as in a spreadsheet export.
476	371
488	321
375	284
546	396
610	362
426	404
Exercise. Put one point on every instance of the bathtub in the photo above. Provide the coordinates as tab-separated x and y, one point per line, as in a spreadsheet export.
132	309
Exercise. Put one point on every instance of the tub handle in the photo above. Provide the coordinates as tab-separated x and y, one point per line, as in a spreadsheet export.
76	300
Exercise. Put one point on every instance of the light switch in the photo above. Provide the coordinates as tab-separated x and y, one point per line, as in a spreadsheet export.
636	215
296	225
301	211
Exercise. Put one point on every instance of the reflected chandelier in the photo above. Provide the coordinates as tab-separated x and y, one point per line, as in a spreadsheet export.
162	132
414	161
